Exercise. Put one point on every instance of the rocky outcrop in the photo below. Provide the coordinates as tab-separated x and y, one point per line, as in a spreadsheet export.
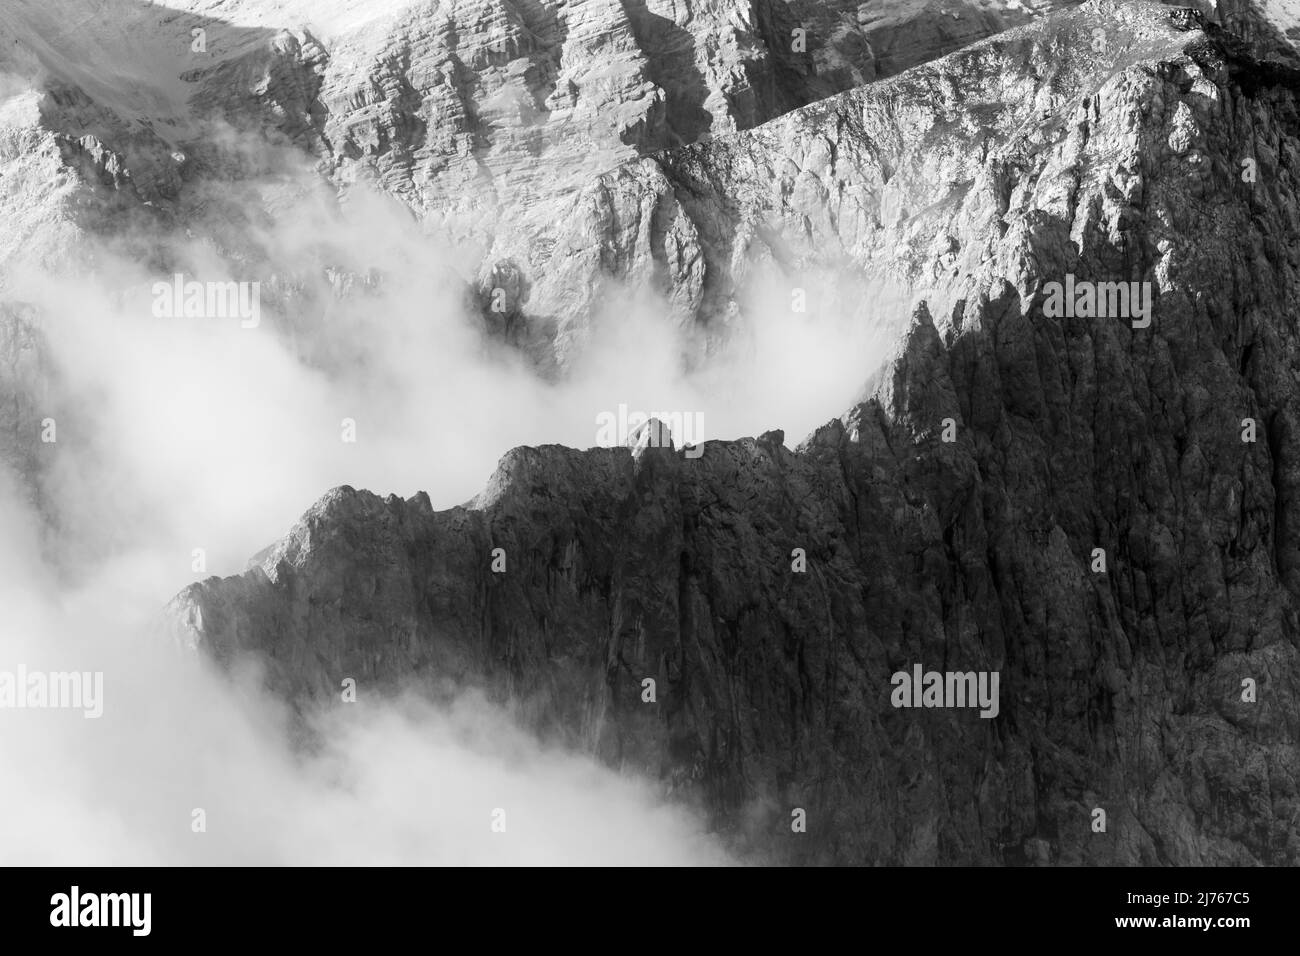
1100	508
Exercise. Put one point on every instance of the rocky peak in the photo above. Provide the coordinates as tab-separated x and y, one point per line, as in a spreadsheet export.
651	434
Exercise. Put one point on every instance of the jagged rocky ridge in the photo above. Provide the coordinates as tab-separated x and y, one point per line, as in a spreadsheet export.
1005	167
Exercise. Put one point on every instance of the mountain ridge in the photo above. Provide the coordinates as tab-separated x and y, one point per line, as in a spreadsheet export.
1102	511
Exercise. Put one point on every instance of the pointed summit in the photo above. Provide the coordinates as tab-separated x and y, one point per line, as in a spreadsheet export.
652	434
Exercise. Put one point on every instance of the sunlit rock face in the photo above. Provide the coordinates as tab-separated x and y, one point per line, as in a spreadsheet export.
1092	500
193	136
130	123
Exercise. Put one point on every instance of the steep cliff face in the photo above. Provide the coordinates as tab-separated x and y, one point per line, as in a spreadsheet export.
128	123
461	110
541	95
1101	509
863	204
178	134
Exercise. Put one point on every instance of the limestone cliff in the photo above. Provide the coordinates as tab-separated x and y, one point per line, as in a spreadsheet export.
129	123
1108	143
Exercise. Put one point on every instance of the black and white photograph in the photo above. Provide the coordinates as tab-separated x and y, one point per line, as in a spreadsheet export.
650	433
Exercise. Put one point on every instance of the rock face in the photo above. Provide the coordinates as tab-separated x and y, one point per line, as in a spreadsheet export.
153	130
863	204
1102	509
23	377
479	116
